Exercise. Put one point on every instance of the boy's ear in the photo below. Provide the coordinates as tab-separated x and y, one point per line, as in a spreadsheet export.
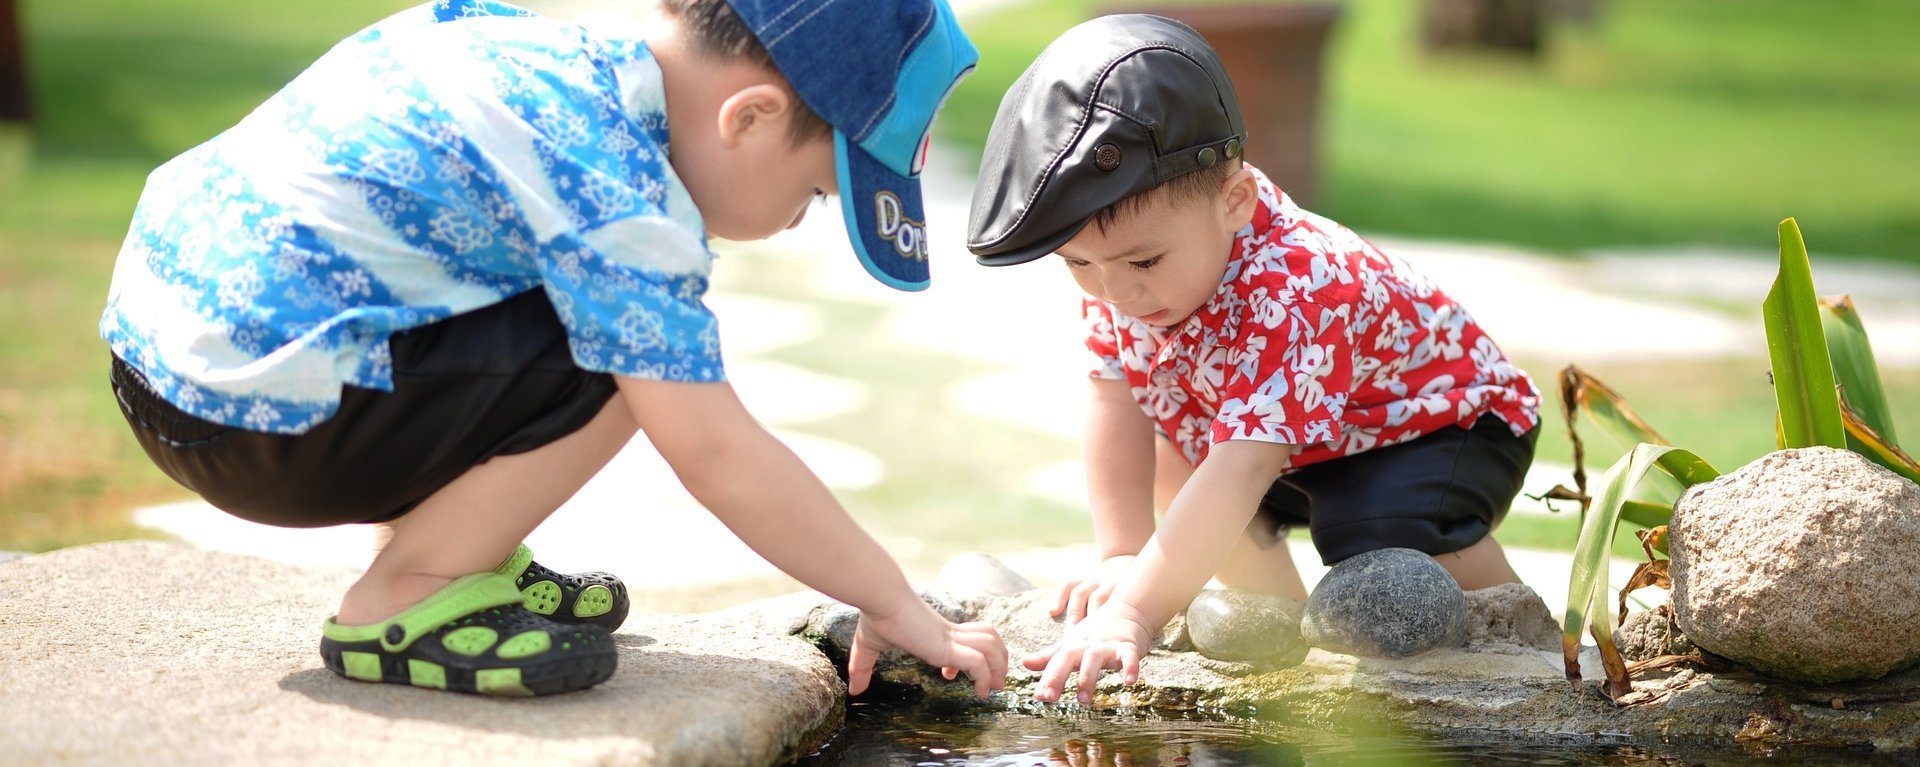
752	111
1241	193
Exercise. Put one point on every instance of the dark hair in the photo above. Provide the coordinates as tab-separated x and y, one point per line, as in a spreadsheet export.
1201	184
716	31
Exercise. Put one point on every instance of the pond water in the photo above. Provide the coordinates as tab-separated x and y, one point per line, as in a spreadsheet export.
885	733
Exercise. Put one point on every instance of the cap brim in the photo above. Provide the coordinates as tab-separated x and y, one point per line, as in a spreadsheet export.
885	218
1032	251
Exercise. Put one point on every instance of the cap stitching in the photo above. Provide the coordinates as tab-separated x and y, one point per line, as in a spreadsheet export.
796	25
1053	165
912	47
778	16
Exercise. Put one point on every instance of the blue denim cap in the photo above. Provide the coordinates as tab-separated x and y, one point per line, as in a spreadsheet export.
877	71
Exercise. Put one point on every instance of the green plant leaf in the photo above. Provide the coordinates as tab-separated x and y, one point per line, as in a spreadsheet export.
1864	440
1647	514
1854	367
1582	392
1797	346
1608	410
1588	605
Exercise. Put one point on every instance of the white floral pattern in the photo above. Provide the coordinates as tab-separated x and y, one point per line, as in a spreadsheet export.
440	161
1316	339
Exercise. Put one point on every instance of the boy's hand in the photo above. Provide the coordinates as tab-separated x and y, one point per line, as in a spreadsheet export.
974	648
1111	637
1078	598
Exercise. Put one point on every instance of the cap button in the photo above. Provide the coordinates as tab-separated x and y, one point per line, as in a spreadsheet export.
1233	148
1106	157
1207	157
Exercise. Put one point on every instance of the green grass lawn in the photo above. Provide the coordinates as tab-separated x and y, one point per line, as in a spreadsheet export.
120	86
1667	121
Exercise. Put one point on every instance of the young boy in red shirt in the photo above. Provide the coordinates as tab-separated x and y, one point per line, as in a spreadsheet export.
1259	366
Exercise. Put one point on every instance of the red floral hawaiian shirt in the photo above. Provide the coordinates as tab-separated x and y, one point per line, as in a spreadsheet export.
1317	339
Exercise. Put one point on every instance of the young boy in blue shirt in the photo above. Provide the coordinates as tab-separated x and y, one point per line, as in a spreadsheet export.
444	275
1258	366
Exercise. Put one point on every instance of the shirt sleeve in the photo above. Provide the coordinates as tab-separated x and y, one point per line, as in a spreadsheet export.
624	254
1101	341
1290	369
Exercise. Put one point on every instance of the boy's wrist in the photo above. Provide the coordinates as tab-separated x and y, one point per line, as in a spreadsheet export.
895	604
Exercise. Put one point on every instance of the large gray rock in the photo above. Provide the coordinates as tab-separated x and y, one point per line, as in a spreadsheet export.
1239	626
1386	603
154	653
1803	564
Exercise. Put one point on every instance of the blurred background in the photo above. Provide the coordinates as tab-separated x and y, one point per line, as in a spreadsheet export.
1598	180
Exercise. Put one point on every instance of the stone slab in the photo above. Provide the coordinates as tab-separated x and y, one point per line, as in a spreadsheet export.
156	653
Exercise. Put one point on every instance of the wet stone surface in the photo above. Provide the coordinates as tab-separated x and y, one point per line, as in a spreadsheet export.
1389	603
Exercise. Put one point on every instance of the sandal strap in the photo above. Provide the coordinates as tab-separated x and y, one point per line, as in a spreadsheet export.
516	563
458	599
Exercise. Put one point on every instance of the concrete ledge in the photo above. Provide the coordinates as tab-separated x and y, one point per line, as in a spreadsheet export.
155	653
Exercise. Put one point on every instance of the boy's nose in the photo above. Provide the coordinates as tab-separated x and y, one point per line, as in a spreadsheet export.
1120	288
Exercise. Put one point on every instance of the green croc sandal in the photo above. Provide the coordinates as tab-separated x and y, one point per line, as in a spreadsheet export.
472	636
596	598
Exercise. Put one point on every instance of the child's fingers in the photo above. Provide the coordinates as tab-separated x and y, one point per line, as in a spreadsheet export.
1054	680
860	659
1092	664
972	661
1038	661
996	659
1129	663
980	670
1077	603
1060	598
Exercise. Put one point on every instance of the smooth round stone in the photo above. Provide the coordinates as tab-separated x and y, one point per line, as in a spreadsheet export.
1239	626
973	573
1387	603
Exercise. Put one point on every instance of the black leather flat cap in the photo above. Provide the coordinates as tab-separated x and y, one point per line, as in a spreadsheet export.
1115	106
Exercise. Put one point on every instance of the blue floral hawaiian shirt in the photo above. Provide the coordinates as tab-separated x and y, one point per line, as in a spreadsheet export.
440	161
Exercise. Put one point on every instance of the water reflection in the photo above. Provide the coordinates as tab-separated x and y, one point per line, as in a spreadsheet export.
890	733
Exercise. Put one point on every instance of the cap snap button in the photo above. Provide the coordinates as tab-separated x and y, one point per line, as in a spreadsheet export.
1106	157
395	633
1207	157
1233	148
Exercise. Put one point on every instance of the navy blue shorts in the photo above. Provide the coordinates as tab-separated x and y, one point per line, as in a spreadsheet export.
1440	493
495	381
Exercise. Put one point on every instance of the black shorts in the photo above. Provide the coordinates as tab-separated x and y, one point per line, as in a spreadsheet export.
495	381
1440	493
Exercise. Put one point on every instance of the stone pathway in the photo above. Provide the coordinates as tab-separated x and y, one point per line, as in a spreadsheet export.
203	658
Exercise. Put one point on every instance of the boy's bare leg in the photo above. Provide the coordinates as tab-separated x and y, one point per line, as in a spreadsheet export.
1248	567
1479	566
471	525
1262	571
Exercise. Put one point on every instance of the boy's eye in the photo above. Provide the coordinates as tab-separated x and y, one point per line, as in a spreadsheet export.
1074	263
1145	264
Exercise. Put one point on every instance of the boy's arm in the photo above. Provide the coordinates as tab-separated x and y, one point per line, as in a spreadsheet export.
1119	466
1119	470
1207	519
765	495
